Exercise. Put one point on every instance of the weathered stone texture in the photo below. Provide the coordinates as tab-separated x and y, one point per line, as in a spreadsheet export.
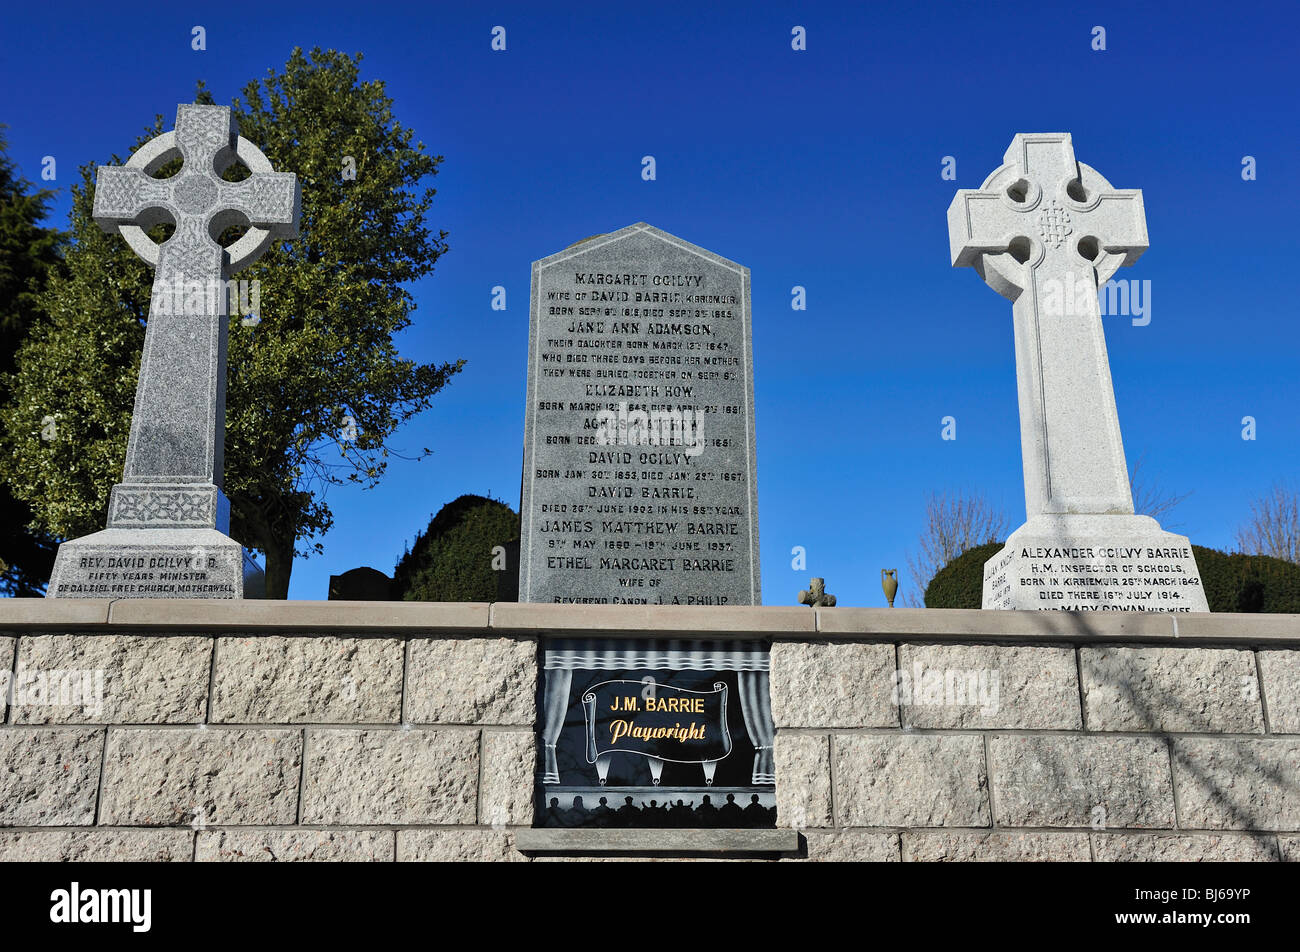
472	681
509	773
391	776
1281	671
296	680
849	846
993	687
50	776
1099	782
1238	783
144	679
803	780
457	846
1171	689
286	846
1289	847
945	846
213	777
1182	848
96	846
826	684
910	780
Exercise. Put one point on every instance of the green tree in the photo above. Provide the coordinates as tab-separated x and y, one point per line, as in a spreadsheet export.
315	386
960	583
29	253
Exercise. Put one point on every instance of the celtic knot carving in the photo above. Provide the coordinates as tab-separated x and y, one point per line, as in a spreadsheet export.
195	194
201	131
150	507
1054	224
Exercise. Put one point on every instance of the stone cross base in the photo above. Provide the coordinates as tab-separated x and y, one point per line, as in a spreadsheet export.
168	506
1094	563
149	563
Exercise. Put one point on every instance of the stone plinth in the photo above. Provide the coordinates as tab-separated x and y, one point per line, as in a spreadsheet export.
1094	563
149	563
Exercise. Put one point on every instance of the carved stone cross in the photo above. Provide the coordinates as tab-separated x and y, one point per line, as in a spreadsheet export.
174	469
168	518
1046	231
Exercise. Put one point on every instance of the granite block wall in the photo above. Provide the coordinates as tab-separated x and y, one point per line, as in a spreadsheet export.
329	731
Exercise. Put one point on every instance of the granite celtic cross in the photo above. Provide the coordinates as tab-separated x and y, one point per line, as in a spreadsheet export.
168	518
1042	230
173	471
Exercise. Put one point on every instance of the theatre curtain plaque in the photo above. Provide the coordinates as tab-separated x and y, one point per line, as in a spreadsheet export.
641	733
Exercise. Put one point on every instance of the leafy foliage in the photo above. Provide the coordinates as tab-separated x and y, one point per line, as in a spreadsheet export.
451	561
1248	583
960	583
29	255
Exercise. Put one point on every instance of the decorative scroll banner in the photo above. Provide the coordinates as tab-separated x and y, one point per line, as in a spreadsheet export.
657	721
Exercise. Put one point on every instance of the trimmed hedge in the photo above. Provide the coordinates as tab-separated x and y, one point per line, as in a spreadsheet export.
960	583
451	560
1248	583
1233	582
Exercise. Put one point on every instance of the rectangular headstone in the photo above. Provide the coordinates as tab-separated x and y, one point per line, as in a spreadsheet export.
639	468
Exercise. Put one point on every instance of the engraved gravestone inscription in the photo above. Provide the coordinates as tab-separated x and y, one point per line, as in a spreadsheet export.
639	466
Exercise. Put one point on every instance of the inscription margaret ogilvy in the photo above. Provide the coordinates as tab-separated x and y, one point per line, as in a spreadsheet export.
639	482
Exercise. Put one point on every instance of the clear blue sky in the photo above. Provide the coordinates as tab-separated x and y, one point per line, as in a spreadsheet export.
818	168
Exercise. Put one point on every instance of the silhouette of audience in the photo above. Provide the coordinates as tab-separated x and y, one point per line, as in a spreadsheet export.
602	815
681	815
656	815
627	814
729	814
755	814
707	814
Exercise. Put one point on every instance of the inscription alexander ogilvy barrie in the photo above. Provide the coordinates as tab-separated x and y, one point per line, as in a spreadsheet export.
639	482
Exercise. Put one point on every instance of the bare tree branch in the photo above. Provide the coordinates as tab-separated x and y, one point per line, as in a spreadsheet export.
1274	526
1148	499
953	524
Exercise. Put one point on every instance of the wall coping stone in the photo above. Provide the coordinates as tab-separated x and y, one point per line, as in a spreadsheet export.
662	620
657	841
144	615
53	612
